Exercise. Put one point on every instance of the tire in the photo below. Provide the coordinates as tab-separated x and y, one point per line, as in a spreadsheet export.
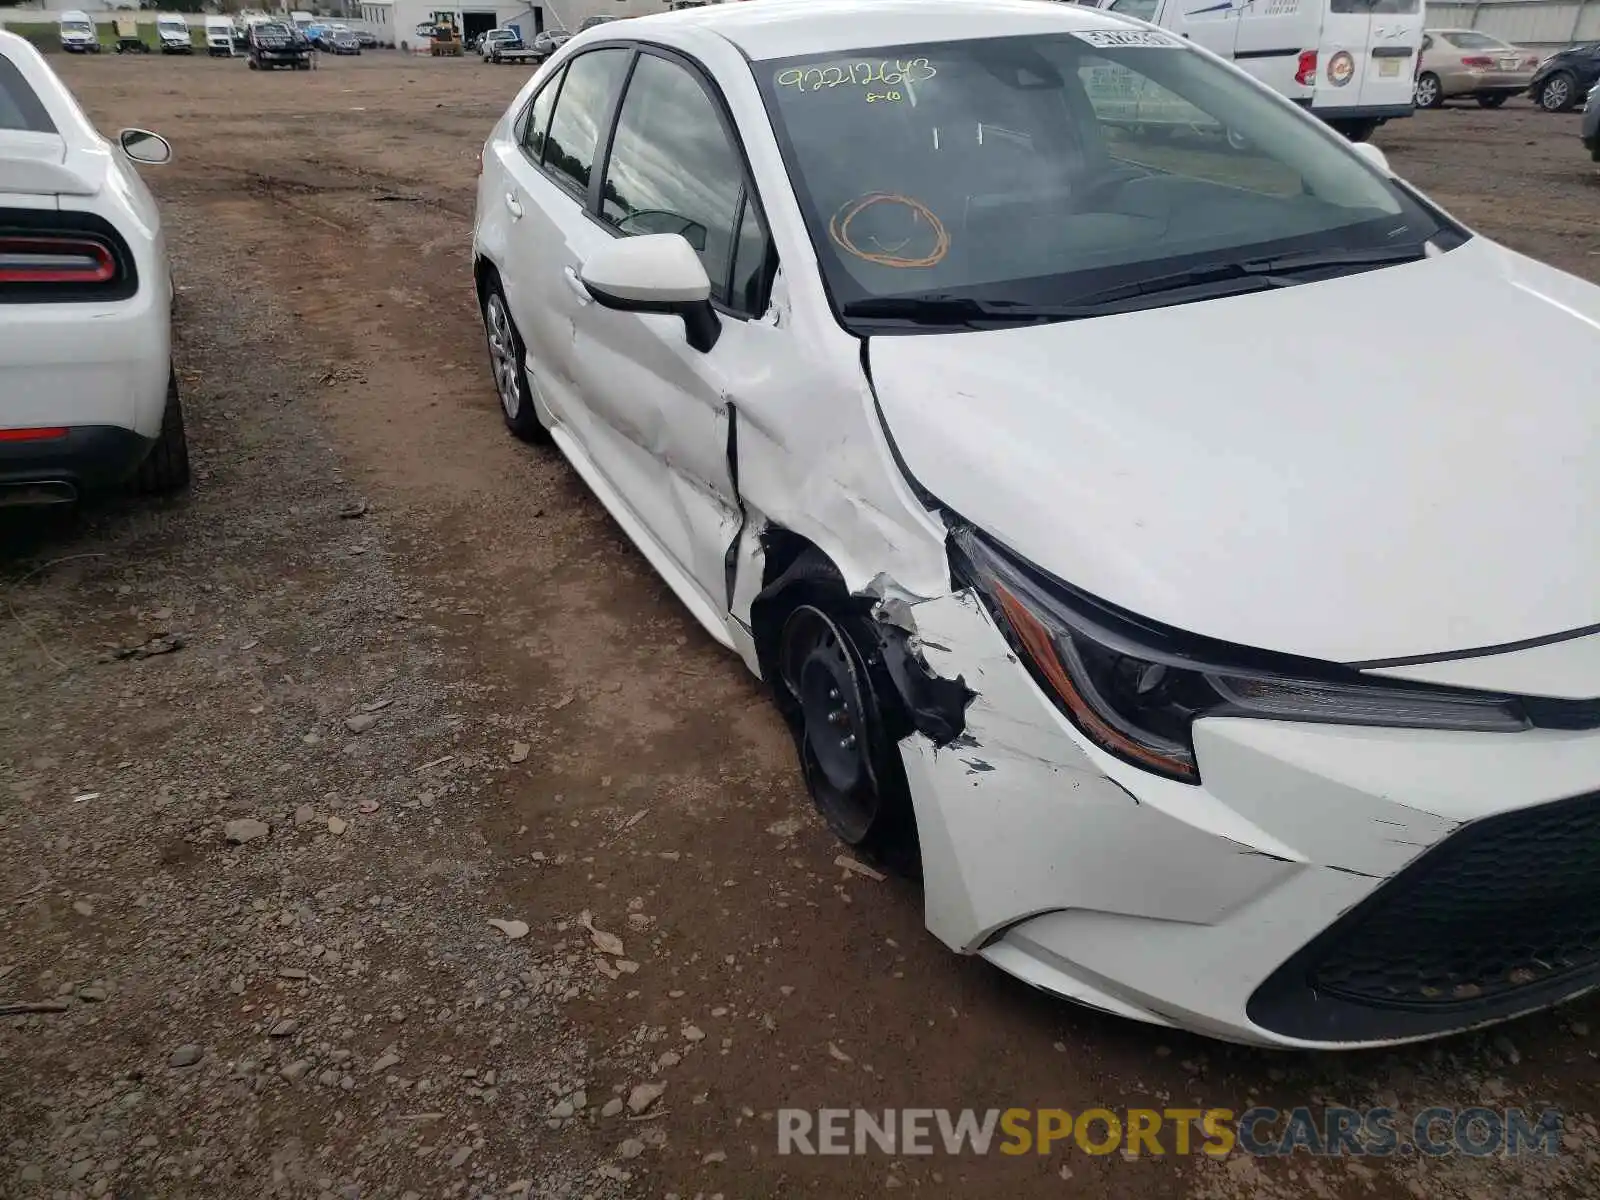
165	469
252	63
1429	92
1354	130
1493	100
835	694
1558	93
508	358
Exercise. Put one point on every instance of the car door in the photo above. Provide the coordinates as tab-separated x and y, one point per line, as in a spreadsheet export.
544	171
1213	24
655	411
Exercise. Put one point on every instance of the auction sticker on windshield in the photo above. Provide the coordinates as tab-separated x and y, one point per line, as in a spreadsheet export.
1109	39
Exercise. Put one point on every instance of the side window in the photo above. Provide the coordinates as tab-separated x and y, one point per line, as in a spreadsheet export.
20	109
752	257
1427	41
1145	10
672	168
537	121
590	85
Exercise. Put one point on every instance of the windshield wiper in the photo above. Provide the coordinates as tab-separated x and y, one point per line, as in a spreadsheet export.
943	309
1208	281
1315	260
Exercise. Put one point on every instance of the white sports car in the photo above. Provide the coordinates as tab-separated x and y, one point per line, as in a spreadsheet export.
1121	510
88	398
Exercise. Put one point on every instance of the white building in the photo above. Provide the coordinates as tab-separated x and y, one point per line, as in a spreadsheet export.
396	21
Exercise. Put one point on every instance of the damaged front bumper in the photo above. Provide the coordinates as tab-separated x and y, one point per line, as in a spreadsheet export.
1323	886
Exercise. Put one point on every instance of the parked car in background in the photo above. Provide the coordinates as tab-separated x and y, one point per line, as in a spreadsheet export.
271	44
221	35
1564	79
342	41
368	39
77	32
173	33
1469	63
1591	123
508	39
549	41
88	396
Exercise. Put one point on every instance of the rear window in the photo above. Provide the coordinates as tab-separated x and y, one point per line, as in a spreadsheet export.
1467	39
20	108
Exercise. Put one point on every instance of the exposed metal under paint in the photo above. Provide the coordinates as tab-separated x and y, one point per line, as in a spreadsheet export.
936	706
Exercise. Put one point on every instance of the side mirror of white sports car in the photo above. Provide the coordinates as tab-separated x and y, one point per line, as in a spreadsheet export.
145	147
1374	156
655	273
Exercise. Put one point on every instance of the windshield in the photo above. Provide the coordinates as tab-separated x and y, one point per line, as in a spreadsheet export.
77	27
1045	170
172	25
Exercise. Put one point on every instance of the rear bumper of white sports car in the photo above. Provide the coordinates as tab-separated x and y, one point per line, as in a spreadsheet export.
82	388
1324	885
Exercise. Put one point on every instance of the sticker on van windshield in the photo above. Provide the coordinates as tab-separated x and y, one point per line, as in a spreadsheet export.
1110	39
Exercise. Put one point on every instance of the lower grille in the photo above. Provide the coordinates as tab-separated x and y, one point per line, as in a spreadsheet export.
1502	917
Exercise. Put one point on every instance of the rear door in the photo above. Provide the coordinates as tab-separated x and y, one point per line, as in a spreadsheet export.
1366	56
1342	54
1213	24
1394	43
544	189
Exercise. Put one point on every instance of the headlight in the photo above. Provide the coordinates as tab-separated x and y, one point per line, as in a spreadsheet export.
1136	689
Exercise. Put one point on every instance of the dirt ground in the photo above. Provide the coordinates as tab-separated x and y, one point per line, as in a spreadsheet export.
424	658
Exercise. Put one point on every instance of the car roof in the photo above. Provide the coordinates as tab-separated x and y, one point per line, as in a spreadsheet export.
765	29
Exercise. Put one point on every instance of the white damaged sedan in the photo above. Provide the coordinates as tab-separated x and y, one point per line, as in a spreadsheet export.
1109	469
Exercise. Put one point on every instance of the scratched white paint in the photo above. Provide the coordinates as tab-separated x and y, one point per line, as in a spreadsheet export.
1164	900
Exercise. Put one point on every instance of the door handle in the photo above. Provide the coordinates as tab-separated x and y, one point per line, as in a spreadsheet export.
514	206
576	284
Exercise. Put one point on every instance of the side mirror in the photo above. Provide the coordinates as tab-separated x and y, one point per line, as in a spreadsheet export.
655	273
1373	155
145	147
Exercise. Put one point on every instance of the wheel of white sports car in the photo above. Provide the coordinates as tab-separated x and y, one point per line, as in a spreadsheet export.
507	357
1430	93
166	468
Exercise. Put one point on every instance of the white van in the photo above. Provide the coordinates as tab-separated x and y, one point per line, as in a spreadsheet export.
173	31
78	34
219	36
1351	62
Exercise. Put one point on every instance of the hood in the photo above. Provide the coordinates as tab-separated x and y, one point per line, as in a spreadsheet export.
1399	463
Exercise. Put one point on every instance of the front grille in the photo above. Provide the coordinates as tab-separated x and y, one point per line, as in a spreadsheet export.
1501	917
